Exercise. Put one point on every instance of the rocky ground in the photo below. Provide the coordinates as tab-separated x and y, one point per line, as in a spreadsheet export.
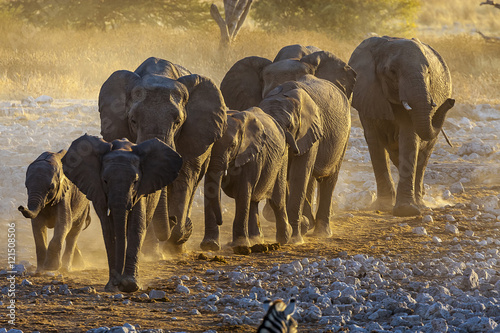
434	273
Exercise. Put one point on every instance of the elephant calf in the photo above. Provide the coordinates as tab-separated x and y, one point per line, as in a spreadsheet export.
54	202
123	181
249	163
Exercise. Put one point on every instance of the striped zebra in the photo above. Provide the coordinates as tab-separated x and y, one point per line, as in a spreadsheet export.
278	318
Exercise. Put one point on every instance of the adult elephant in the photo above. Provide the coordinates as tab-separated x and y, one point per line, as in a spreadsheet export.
160	99
321	85
402	95
123	181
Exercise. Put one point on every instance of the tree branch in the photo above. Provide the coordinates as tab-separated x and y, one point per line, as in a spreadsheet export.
490	2
489	38
224	33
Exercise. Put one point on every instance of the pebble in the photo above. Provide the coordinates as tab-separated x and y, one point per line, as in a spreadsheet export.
182	289
420	231
427	219
157	294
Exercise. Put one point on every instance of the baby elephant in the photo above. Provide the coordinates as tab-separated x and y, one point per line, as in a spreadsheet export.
249	163
123	180
54	202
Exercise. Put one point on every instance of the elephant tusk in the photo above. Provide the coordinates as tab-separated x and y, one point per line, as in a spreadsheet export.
405	104
225	173
109	212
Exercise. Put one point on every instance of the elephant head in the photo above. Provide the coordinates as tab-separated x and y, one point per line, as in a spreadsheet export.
155	101
297	114
404	73
250	79
45	183
115	176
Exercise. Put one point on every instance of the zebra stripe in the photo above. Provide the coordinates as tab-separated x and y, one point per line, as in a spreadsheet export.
278	318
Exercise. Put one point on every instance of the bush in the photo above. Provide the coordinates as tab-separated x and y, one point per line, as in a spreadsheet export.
348	18
105	14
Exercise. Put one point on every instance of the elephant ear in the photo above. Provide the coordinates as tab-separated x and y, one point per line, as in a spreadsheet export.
64	183
329	67
160	165
252	137
243	83
82	165
368	96
114	103
206	117
161	67
310	127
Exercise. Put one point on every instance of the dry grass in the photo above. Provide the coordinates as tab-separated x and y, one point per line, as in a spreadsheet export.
74	64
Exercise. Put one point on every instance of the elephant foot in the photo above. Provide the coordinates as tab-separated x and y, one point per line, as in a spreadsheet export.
129	284
256	240
297	239
174	248
240	241
382	204
111	287
421	204
181	234
304	225
152	250
283	235
78	262
268	213
407	209
322	229
210	245
52	264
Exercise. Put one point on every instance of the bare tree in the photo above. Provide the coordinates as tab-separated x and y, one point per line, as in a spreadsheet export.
489	38
235	13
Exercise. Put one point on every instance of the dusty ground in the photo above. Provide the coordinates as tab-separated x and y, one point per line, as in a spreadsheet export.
368	232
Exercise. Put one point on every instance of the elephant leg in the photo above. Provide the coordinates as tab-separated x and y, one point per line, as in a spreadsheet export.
278	205
299	174
136	231
308	203
323	216
78	258
408	151
109	243
161	224
381	168
254	230
268	212
423	158
70	247
241	217
61	230
39	228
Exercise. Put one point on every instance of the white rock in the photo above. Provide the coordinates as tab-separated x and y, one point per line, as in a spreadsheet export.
469	233
447	195
436	240
419	231
157	294
452	229
457	188
44	100
427	219
182	289
449	218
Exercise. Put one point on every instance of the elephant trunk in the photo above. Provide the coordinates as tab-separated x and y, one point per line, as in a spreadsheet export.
36	201
120	216
416	99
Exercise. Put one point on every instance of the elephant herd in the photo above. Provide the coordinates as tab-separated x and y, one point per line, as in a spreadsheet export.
274	130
